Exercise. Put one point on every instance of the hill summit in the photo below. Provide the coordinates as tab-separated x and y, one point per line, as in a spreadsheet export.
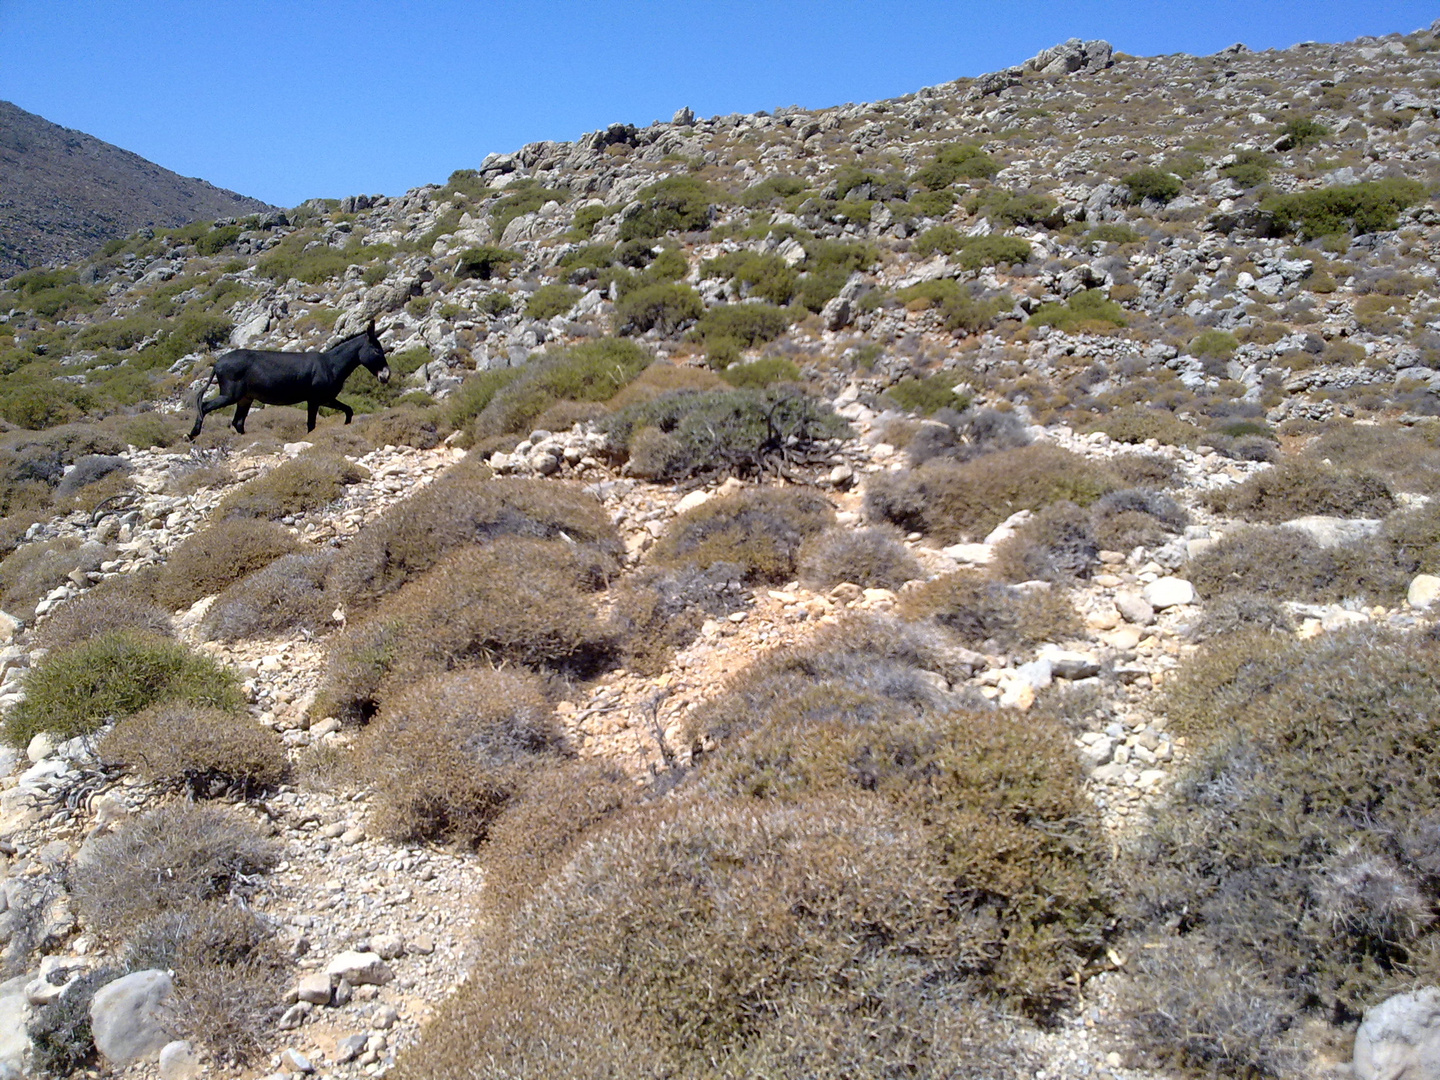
64	193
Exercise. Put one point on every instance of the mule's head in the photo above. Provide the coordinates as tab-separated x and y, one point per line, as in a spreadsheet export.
372	354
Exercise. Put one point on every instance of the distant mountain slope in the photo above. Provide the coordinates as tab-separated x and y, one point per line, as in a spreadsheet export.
64	193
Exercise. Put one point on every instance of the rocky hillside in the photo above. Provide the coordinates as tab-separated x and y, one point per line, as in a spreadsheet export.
941	588
66	193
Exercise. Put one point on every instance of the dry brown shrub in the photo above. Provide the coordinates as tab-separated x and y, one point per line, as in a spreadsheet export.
464	506
1296	489
987	615
33	569
741	926
1138	469
308	482
517	600
956	501
164	860
209	752
445	754
564	415
758	529
663	378
1057	544
403	425
551	809
873	558
118	603
221	553
287	594
228	969
1408	458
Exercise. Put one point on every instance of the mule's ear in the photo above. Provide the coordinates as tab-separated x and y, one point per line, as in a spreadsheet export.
371	328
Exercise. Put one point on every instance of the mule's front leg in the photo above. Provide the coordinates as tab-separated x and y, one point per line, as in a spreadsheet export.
312	410
336	403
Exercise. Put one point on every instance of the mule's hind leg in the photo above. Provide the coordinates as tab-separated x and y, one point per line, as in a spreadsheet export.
207	407
240	410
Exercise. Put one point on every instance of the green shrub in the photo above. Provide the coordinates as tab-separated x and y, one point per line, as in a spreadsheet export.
1087	311
771	190
1301	131
982	251
586	218
1217	344
761	373
289	593
1299	841
758	529
1251	168
484	262
957	161
1012	208
549	301
445	755
1366	207
873	558
740	432
1112	233
1294	490
76	690
474	394
590	371
165	860
667	307
932	204
207	751
828	265
61	1041
308	482
662	378
294	258
1152	184
740	326
515	601
944	239
219	554
463	507
676	204
524	196
952	501
929	394
765	277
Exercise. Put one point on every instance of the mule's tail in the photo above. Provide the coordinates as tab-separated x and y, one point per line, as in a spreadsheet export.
199	408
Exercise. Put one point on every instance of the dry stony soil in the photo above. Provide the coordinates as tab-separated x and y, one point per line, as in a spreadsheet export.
959	569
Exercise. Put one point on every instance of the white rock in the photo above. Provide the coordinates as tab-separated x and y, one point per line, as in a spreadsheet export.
1399	1039
314	988
360	969
178	1061
40	747
1168	592
1424	591
692	500
387	946
125	1016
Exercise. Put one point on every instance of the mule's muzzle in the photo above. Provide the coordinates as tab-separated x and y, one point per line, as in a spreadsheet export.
383	374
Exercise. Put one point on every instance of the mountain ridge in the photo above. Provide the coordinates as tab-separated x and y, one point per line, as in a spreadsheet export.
64	193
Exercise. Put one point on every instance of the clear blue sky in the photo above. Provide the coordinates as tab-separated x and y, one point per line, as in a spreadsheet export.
289	100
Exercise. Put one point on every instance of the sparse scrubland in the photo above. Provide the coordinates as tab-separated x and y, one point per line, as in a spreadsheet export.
935	588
